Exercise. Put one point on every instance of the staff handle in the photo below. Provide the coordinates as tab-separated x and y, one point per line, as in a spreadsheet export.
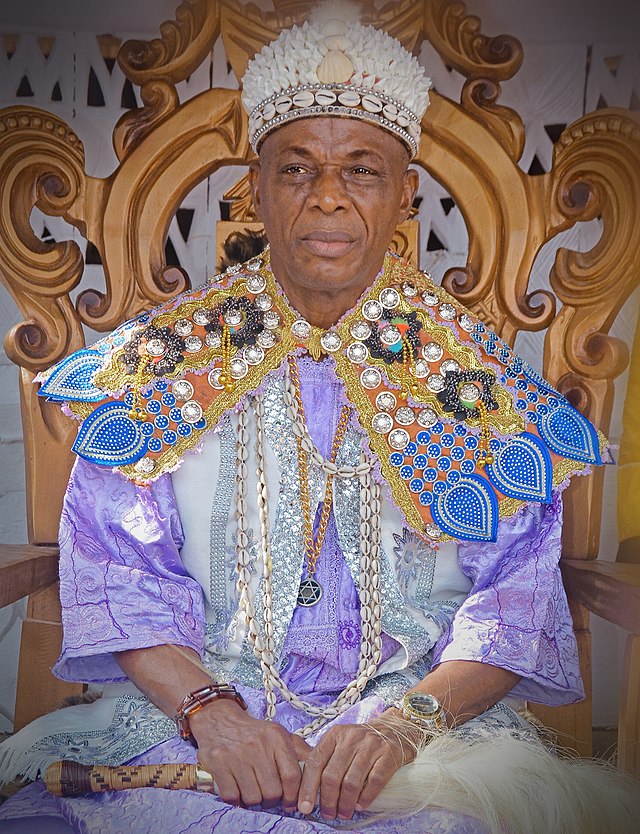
66	778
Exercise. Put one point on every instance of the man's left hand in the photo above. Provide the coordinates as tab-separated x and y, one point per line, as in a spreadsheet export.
351	764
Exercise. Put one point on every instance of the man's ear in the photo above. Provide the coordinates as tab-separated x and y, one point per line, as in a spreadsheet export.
410	184
254	185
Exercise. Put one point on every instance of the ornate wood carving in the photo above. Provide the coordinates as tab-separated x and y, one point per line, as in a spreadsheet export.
479	96
42	161
595	175
455	35
144	193
503	214
181	47
157	66
160	99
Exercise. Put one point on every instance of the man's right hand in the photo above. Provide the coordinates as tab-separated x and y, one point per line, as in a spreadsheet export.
253	762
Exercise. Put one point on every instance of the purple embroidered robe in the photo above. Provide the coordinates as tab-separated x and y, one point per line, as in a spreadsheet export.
124	586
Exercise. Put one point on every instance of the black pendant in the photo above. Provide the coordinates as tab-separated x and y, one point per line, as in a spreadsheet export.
309	592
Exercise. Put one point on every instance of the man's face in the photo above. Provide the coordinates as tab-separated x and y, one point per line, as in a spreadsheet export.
330	192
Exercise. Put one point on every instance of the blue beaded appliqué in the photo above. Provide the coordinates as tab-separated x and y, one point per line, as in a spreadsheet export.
522	468
569	434
72	379
109	437
468	510
539	381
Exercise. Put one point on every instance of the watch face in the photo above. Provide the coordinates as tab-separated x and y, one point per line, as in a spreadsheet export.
425	705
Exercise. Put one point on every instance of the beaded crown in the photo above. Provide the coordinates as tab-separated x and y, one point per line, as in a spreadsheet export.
333	65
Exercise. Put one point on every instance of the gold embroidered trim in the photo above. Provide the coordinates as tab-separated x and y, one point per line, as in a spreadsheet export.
214	402
505	420
225	401
365	410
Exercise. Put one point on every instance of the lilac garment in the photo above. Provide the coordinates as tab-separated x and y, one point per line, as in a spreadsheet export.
322	645
323	642
516	615
323	398
122	584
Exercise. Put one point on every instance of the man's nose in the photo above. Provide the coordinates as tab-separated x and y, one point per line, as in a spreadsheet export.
328	191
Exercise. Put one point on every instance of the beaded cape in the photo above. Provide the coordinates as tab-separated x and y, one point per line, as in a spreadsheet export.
464	430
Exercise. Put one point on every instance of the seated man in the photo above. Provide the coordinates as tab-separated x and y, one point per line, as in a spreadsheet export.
358	566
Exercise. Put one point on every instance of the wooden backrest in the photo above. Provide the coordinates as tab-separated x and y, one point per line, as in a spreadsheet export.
166	147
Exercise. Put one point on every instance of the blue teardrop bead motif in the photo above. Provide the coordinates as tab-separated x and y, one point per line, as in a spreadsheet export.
72	379
522	469
109	437
468	510
569	434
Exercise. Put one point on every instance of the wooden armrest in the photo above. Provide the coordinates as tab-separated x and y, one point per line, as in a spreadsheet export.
25	568
609	589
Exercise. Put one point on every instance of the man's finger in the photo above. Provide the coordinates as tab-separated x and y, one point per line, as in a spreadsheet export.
313	769
382	770
342	782
270	782
290	778
250	790
228	789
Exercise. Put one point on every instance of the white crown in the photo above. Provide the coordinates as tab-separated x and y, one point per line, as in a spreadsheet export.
335	66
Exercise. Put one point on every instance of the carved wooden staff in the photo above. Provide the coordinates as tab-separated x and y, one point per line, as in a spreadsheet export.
73	779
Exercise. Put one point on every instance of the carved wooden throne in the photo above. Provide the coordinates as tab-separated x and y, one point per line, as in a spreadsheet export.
165	148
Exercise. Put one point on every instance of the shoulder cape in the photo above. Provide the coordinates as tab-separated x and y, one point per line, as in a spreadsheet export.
465	431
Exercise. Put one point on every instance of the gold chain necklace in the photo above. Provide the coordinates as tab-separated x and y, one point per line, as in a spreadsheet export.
310	590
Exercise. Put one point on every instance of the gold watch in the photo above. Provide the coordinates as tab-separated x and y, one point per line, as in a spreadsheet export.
423	710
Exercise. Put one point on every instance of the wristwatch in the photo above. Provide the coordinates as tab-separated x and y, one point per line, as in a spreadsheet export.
422	709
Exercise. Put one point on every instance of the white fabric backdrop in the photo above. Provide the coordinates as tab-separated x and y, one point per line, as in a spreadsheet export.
575	61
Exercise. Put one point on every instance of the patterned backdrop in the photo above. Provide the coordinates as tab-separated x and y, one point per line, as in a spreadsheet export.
76	77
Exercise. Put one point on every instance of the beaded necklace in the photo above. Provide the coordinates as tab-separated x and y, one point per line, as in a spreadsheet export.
262	640
310	591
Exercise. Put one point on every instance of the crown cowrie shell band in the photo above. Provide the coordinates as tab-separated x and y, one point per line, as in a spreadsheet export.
350	98
328	100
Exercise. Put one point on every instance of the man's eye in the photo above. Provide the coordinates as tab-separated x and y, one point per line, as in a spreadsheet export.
360	169
294	169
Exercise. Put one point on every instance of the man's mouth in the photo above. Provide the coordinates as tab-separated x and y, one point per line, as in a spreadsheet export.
328	243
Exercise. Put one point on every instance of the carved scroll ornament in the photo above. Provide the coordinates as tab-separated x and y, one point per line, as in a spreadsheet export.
182	46
42	164
596	173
